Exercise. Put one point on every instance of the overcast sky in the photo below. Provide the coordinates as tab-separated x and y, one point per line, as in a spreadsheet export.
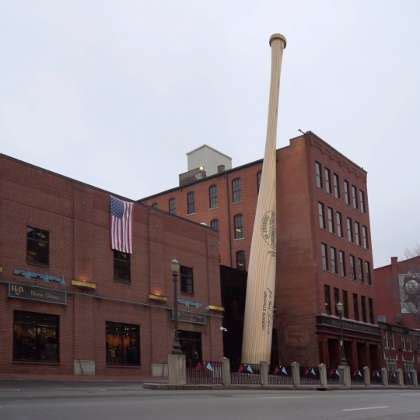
114	93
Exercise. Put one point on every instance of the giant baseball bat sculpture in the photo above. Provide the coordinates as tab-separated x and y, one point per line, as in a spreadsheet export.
259	306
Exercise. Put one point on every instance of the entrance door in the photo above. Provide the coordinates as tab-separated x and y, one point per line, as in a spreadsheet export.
361	355
333	353
191	347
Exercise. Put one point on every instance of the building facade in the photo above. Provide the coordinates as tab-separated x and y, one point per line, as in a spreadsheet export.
323	246
397	288
70	304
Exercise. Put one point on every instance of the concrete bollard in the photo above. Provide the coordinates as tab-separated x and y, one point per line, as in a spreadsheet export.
384	373
366	375
323	374
296	373
177	371
226	378
345	376
400	376
415	379
264	366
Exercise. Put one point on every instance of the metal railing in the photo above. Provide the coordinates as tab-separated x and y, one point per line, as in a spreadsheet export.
376	377
393	377
247	374
207	372
309	375
357	377
333	376
280	375
408	377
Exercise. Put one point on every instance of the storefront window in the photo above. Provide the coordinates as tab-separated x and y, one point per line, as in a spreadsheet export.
35	337
122	344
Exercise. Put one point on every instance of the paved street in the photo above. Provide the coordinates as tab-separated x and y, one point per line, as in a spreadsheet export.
118	401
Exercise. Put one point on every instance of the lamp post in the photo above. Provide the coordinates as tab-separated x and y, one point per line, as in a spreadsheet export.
340	310
176	346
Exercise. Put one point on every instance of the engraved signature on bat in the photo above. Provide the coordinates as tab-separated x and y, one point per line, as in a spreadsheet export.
268	230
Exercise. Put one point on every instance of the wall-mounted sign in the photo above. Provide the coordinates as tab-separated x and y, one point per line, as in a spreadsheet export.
410	293
40	294
190	317
190	303
29	275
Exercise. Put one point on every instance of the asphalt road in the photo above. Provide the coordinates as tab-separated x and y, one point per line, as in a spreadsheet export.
126	402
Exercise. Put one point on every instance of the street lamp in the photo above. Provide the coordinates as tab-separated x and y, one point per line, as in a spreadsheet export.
176	346
340	310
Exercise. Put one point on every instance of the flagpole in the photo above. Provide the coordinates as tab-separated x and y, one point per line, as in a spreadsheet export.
259	307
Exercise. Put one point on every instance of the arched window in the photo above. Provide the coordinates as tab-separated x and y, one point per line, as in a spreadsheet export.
213	196
236	190
214	225
238	226
240	260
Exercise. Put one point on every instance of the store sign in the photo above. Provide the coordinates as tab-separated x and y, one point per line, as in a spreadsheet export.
30	275
190	317
21	291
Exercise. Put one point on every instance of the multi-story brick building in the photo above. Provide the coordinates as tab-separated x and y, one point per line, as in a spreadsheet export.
323	245
397	291
69	303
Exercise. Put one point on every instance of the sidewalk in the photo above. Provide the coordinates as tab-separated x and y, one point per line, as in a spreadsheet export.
68	379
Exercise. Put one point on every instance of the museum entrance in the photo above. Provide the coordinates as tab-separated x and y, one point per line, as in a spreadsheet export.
191	346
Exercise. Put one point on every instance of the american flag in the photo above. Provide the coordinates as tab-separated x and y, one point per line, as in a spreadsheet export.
121	222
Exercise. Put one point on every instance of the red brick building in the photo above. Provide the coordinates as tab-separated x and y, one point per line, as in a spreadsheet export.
397	290
68	303
323	243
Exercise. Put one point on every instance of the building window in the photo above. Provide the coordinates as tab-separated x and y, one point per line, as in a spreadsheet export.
349	229
357	233
35	337
367	272
327	299
336	300
341	264
236	190
330	217
336	186
347	192
122	266
240	260
214	225
354	197
258	181
187	279
362	201
360	270
172	206
324	257
346	304
190	202
318	175
353	267
364	315
339	224
321	214
365	241
122	344
238	226
333	260
371	313
155	205
37	246
356	307
327	176
213	196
